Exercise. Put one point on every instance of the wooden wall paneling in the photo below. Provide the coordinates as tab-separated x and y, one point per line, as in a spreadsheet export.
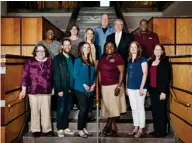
180	110
17	109
31	30
13	129
15	60
184	30
165	29
184	50
182	129
3	135
13	77
181	60
27	50
13	50
150	25
182	75
10	30
170	50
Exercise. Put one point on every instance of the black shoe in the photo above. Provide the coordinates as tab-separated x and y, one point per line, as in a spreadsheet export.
48	134
160	135
36	134
152	133
91	119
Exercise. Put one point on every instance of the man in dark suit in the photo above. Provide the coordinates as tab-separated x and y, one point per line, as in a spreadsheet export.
121	39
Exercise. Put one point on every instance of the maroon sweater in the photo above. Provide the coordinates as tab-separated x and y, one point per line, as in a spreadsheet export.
147	42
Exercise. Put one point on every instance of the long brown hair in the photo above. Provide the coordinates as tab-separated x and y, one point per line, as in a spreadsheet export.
85	36
162	55
88	61
139	51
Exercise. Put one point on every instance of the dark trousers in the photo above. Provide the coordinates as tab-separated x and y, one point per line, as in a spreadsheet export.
74	100
90	103
159	112
63	110
83	112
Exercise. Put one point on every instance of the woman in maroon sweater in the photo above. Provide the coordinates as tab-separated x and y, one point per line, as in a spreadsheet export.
37	83
158	81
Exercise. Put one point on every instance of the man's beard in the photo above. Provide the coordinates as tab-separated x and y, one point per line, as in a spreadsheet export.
66	52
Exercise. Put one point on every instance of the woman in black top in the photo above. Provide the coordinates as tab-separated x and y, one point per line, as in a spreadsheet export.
158	81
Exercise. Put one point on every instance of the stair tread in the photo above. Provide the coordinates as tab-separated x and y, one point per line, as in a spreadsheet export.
119	135
123	121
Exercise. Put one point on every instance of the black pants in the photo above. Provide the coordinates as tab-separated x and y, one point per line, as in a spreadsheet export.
90	103
83	112
159	112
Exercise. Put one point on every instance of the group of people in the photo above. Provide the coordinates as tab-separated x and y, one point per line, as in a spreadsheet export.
132	65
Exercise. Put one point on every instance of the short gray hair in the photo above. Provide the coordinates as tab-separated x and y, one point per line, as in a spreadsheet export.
120	20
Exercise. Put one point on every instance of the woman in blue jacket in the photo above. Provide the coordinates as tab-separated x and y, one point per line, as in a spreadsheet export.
84	74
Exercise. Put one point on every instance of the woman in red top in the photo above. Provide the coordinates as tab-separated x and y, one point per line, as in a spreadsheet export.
158	82
111	70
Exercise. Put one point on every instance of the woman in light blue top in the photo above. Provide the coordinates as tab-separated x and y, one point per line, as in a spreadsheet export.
85	75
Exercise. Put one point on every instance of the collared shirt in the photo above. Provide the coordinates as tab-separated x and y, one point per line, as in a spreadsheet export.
108	69
135	73
118	37
53	48
147	41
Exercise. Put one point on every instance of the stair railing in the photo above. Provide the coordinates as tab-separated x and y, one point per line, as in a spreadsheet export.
73	17
178	100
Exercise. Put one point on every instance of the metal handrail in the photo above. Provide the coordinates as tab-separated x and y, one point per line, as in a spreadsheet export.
178	100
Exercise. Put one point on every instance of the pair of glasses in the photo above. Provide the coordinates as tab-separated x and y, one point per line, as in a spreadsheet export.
40	51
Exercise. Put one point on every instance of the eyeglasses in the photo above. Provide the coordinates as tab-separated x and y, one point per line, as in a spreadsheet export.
40	51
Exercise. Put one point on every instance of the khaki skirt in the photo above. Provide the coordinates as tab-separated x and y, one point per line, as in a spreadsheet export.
111	105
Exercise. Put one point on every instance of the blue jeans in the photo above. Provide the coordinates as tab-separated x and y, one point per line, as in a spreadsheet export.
63	110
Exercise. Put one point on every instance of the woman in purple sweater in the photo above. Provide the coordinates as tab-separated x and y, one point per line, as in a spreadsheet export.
37	83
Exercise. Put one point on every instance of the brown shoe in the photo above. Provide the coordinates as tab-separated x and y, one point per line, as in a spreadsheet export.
48	134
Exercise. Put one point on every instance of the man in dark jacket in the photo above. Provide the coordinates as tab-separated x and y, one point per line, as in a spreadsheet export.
63	84
121	39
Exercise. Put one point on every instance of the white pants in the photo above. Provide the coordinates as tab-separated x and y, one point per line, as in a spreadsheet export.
137	106
40	105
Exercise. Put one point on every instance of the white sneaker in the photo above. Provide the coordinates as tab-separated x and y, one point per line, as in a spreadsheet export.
60	133
68	132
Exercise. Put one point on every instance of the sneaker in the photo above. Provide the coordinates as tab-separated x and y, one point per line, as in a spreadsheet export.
68	132
60	133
